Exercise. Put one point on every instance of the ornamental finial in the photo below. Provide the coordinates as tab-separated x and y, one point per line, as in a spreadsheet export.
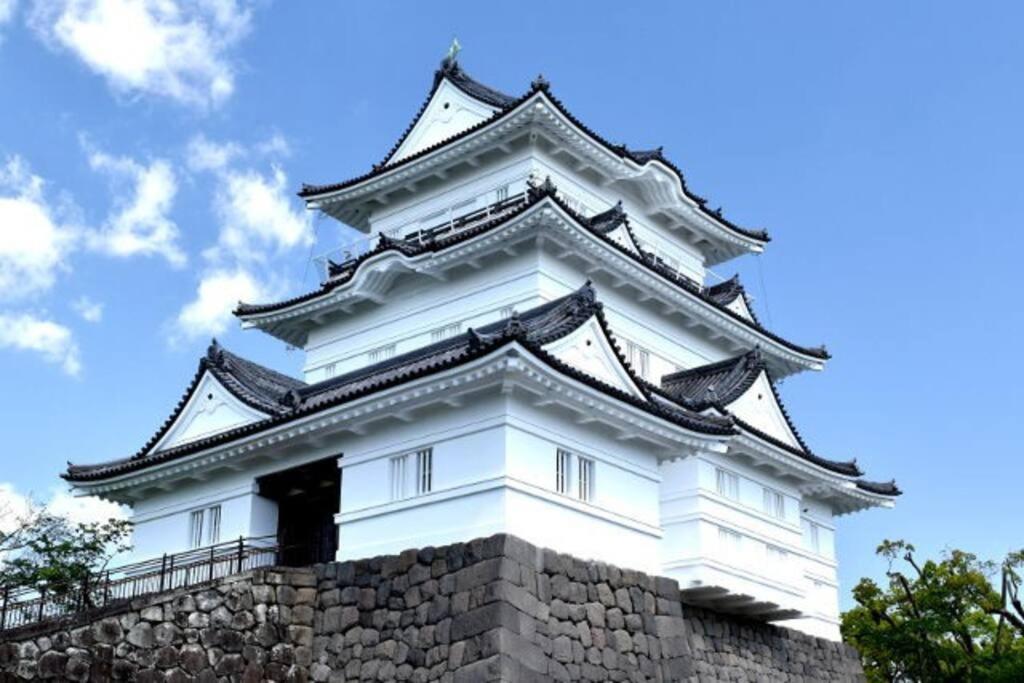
214	352
453	50
540	83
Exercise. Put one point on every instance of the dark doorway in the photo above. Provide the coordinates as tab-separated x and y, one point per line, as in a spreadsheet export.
307	499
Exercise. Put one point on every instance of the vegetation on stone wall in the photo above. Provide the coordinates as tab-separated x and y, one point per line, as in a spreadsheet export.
46	551
957	618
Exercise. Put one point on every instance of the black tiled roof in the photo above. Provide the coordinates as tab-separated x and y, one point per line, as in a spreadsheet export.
257	386
885	488
536	195
532	330
506	104
717	385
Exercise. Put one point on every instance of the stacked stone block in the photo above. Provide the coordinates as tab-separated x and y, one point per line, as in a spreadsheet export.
494	609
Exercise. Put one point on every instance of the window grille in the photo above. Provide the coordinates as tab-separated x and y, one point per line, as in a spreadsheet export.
586	478
727	484
501	194
506	311
774	503
382	353
213	526
639	358
563	462
397	467
446	331
424	470
815	537
330	370
729	541
776	554
195	524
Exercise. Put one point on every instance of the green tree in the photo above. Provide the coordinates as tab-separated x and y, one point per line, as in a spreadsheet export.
939	620
48	552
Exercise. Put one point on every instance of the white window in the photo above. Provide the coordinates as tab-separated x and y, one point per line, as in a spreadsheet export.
382	353
774	503
729	542
585	472
727	484
204	527
814	537
639	358
195	532
424	470
213	525
445	332
330	370
506	311
501	194
396	475
582	486
776	555
563	464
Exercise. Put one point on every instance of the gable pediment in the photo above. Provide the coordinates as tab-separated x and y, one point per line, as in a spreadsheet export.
589	350
758	407
449	112
211	409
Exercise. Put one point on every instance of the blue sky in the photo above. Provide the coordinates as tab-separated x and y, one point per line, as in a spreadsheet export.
154	155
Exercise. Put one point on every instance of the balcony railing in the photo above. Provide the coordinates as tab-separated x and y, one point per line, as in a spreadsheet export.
340	260
21	606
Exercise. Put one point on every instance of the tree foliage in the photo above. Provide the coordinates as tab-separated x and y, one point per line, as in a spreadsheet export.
939	620
48	552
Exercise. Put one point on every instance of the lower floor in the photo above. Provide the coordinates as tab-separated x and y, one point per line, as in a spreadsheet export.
734	537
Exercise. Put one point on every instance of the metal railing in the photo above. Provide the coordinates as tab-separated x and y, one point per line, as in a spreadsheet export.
20	606
340	259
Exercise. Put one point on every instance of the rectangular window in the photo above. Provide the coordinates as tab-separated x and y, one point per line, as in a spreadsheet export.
506	311
774	503
639	358
330	370
445	332
585	471
396	475
382	353
776	555
195	532
729	542
814	533
727	484
563	463
424	470
501	194
213	525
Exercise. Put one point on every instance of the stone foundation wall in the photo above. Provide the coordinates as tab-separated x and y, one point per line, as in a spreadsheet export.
494	609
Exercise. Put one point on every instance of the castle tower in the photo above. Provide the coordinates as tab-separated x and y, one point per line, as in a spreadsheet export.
523	340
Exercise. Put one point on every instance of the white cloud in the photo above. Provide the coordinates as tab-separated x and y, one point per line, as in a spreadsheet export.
256	212
86	509
6	10
178	49
204	155
54	342
34	241
91	311
210	312
139	225
258	216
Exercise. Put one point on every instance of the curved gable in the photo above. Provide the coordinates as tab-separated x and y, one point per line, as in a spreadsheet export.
448	112
758	407
210	409
589	350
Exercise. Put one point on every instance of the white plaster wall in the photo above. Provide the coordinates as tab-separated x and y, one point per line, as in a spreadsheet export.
449	112
493	471
692	551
